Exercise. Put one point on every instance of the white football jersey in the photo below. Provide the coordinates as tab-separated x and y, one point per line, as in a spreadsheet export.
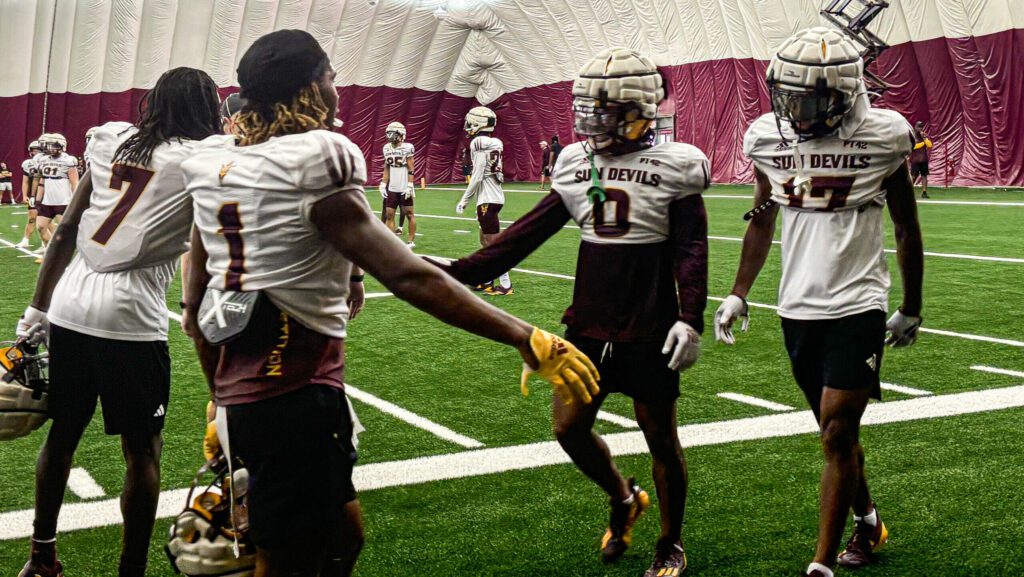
833	264
56	184
252	208
396	162
638	189
28	167
486	153
137	217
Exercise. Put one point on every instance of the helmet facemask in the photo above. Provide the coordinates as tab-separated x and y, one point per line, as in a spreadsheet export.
394	137
811	112
611	126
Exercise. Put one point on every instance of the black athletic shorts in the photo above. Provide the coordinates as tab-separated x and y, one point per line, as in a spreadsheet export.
918	168
298	450
843	353
638	370
487	216
132	380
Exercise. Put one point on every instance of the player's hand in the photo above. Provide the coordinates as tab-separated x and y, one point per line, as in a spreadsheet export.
33	326
410	192
684	345
383	191
733	307
356	298
901	330
460	208
211	442
560	363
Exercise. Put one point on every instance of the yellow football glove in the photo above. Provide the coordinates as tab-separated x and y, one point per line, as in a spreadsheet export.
211	442
568	370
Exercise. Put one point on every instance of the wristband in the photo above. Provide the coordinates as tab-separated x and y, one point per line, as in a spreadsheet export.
356	278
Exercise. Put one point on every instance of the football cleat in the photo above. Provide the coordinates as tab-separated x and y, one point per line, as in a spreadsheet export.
43	561
498	291
398	230
411	245
619	535
865	540
669	561
482	287
22	244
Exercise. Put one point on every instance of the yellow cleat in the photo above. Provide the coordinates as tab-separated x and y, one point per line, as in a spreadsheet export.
619	535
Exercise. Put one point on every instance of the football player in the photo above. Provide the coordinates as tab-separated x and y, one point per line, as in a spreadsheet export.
396	184
129	221
5	185
830	163
641	282
59	173
292	249
485	184
29	181
85	155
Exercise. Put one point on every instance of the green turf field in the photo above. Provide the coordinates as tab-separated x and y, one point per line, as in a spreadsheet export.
945	463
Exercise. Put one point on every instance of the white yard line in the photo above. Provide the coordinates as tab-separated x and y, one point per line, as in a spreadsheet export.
905	390
750	198
969	337
617	420
83	485
1006	259
378	295
747	399
411	418
77	516
998	371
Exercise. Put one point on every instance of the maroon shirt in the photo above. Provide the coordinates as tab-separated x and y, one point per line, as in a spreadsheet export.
623	292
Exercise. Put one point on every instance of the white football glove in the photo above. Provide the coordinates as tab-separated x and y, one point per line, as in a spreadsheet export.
460	208
901	330
733	307
384	191
683	343
33	326
410	192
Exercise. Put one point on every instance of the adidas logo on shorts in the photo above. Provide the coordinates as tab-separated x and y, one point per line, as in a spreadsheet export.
159	412
872	362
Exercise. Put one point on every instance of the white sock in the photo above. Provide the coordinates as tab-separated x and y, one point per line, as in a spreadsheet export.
820	568
505	281
871	518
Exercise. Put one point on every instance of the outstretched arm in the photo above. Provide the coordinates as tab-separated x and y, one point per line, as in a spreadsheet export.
514	243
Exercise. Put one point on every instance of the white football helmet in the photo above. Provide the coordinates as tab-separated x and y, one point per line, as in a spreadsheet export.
24	376
203	537
34	147
89	134
395	133
480	119
54	143
615	99
814	80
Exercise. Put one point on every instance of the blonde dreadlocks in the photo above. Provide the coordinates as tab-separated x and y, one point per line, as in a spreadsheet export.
307	111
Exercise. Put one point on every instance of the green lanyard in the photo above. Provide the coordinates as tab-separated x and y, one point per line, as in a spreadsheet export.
596	191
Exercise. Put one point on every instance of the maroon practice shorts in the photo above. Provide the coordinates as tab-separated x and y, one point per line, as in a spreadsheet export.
51	210
397	199
487	216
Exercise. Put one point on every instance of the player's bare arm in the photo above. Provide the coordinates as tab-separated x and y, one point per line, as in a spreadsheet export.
73	178
909	245
62	245
356	292
196	282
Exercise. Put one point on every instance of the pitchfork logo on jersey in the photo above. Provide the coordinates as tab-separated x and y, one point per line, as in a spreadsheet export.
224	169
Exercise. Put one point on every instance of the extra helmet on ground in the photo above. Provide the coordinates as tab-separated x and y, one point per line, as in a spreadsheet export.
203	537
615	98
814	79
395	132
480	119
24	381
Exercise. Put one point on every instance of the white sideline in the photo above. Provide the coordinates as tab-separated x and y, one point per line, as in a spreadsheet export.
747	399
619	420
998	371
749	198
412	418
905	390
738	239
77	516
83	485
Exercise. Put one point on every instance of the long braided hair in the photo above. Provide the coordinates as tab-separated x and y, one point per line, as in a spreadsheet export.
183	105
259	121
